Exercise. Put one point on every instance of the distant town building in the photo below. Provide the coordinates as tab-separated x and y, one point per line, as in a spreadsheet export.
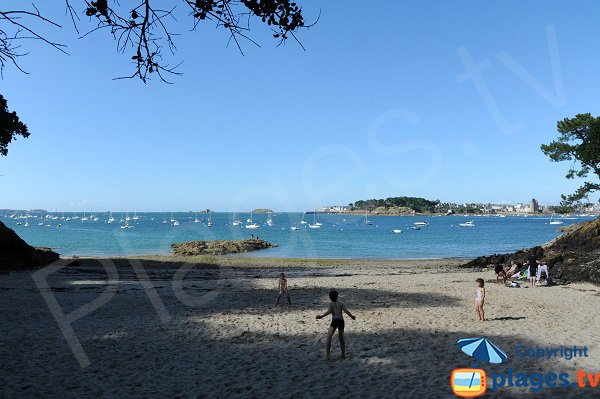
334	209
534	206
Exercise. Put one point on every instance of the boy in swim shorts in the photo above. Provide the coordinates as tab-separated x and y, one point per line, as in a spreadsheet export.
337	322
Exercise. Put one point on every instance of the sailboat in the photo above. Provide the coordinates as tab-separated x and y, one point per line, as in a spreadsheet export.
84	218
172	219
552	221
302	221
135	216
196	220
317	218
210	223
251	224
316	224
236	220
126	225
367	221
270	220
111	219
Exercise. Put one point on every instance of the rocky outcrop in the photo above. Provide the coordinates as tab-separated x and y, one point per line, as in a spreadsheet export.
16	254
219	247
572	256
505	259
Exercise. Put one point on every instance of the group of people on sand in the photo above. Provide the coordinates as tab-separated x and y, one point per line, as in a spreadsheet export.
336	310
536	270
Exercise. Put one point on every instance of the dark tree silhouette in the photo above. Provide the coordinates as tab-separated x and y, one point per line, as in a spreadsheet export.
10	126
145	29
578	143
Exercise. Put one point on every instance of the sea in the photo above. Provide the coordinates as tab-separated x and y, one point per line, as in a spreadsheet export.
340	236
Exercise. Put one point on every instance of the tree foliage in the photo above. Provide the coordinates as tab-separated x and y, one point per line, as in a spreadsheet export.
144	28
415	203
10	126
579	143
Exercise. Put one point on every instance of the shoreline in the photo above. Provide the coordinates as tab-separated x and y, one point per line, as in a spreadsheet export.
157	261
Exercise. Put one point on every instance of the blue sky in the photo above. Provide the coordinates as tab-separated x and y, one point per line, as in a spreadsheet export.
381	104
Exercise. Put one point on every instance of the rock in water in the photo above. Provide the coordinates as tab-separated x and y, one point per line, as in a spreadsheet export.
16	254
219	247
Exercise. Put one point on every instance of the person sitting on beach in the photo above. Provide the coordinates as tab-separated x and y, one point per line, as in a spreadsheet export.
542	268
500	273
532	268
283	289
337	322
479	298
513	269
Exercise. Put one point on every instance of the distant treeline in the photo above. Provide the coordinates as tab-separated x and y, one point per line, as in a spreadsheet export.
415	203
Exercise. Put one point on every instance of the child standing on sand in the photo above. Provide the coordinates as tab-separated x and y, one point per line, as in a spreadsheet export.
479	298
337	322
283	289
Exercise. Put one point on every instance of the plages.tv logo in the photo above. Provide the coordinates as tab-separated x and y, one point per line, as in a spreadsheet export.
472	382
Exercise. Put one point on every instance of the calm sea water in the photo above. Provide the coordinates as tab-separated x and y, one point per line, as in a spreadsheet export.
340	236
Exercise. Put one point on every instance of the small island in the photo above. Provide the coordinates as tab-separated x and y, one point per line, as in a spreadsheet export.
219	247
262	210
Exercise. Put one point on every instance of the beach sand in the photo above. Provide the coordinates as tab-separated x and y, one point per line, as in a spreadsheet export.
209	329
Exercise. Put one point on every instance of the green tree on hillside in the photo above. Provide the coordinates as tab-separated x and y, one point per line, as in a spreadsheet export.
579	142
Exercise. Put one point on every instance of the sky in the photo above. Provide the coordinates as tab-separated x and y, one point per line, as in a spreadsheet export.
435	99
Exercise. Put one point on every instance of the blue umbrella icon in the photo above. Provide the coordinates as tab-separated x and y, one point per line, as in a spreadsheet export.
482	349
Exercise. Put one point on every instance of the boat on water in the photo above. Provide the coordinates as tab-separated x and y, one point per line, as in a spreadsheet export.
270	220
367	221
554	221
421	224
111	219
316	224
236	220
135	216
416	228
250	224
397	231
293	228
302	221
176	223
209	223
470	223
126	226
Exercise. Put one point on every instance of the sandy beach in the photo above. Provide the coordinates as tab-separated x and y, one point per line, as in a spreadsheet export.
207	327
